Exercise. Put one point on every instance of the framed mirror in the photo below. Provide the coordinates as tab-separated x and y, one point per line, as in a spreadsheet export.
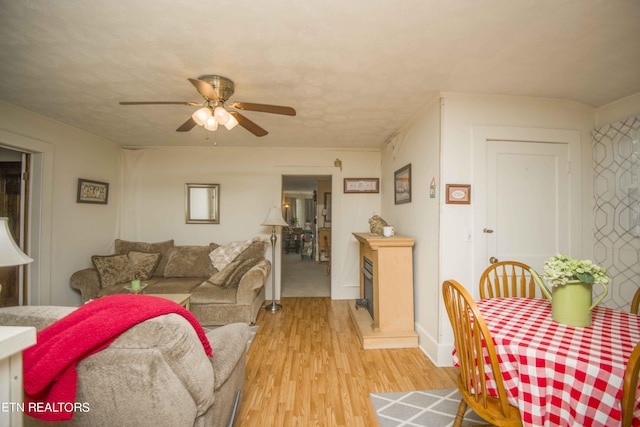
202	203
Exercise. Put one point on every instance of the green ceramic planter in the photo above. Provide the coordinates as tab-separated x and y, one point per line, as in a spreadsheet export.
571	304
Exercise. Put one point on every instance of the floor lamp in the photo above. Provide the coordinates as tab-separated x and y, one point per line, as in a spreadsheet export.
274	219
10	253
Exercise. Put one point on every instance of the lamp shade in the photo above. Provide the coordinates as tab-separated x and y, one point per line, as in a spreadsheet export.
10	253
231	123
211	124
201	116
274	217
221	115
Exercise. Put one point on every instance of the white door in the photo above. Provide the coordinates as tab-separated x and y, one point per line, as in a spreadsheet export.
527	201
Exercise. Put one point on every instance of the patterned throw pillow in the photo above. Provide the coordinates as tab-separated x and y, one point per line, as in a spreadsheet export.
255	250
189	261
163	248
231	275
113	269
143	264
224	254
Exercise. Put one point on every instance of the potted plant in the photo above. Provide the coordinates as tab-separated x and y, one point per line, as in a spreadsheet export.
572	280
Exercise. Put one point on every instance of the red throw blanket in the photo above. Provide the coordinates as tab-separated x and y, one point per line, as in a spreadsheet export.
50	375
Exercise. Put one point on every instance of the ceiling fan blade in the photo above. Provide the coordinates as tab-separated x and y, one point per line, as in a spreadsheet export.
191	103
248	124
265	108
187	126
204	88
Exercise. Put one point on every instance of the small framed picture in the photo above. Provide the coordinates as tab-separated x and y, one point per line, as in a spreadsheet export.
361	185
92	191
402	185
459	194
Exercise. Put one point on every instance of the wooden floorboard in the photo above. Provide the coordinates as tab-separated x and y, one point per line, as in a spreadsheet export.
306	368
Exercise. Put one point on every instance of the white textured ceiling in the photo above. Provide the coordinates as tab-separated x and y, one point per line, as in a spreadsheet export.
355	70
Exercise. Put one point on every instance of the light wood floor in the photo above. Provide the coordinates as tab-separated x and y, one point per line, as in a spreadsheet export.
306	368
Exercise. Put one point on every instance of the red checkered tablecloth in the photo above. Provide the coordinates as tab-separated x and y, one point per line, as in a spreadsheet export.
561	375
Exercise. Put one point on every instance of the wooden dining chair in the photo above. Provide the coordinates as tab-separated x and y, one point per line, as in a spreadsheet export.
507	279
629	386
635	302
471	335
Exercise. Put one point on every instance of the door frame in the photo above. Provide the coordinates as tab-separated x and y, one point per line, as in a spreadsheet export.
480	136
279	172
40	221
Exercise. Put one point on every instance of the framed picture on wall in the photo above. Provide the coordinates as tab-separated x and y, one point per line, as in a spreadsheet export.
361	185
402	185
92	191
459	194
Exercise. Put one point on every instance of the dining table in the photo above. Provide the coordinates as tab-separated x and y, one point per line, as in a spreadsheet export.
559	375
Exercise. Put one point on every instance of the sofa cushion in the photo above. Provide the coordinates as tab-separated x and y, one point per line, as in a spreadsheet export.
173	285
230	276
113	269
189	261
163	248
143	264
208	293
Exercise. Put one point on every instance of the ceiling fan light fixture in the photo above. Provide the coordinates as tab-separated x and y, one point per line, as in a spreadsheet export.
231	123
211	124
201	116
221	115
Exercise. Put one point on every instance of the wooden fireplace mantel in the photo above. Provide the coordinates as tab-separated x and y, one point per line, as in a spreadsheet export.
392	325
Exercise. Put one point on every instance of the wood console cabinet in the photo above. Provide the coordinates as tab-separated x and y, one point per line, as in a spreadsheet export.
392	325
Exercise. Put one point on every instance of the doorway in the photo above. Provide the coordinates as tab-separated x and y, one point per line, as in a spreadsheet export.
14	166
306	207
525	195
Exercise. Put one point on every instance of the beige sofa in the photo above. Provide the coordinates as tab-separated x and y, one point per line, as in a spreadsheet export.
235	293
154	374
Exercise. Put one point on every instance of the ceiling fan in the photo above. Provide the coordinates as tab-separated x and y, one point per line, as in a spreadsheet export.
216	91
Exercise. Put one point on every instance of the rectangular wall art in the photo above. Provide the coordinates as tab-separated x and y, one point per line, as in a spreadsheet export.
402	185
92	191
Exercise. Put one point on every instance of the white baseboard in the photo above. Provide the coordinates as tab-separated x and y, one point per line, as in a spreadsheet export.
439	354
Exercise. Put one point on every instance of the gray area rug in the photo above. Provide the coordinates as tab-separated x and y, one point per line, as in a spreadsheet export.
432	408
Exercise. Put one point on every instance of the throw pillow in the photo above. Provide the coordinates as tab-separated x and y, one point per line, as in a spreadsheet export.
113	269
255	250
143	264
163	248
221	277
231	275
188	261
225	254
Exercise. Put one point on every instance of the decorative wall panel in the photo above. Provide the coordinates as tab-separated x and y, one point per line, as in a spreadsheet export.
616	161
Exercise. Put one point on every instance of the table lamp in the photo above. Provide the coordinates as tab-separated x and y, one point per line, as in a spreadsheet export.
274	219
10	253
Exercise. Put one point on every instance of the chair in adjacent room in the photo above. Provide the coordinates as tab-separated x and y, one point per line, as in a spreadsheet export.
629	386
471	336
635	303
507	279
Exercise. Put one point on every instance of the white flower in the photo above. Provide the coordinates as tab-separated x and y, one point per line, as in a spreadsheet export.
560	269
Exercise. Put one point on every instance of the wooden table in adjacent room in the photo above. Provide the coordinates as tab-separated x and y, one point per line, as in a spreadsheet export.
556	374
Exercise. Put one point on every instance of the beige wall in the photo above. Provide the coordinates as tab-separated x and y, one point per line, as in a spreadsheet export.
445	133
618	110
418	143
63	233
250	182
